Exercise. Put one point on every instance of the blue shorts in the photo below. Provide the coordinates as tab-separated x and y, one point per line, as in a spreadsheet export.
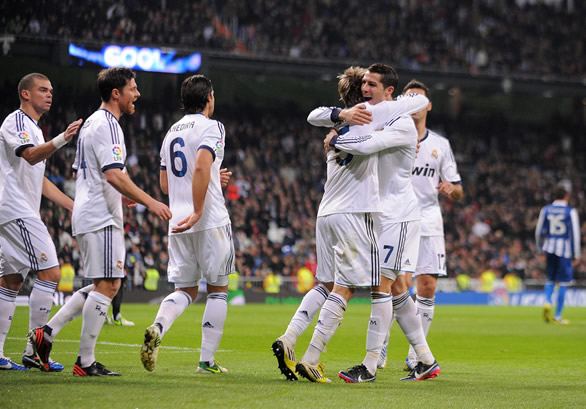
559	269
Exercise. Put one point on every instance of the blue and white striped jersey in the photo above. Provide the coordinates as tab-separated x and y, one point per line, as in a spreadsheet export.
558	230
100	147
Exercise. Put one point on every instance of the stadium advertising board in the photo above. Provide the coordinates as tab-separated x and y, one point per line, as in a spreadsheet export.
137	58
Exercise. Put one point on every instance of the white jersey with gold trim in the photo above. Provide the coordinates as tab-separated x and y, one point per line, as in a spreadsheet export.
21	184
178	152
100	147
435	161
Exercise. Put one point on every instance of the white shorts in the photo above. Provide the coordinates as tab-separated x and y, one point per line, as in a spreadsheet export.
103	253
205	254
398	246
432	256
26	245
347	251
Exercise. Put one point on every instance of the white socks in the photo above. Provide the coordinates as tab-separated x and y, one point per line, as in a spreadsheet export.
310	305
381	316
7	307
425	310
212	327
94	314
71	310
330	318
406	315
40	303
171	308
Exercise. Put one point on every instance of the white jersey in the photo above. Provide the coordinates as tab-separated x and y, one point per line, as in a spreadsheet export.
352	184
190	134
100	147
435	161
21	184
394	136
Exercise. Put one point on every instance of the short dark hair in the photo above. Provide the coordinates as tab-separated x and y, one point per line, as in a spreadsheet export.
559	193
349	86
414	84
113	78
389	76
27	82
195	91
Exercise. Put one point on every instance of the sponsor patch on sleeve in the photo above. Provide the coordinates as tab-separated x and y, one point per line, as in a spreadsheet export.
24	138
117	153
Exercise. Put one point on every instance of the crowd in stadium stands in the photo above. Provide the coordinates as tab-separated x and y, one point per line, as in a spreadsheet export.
480	37
279	173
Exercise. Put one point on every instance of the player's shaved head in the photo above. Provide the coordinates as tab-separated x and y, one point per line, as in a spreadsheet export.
27	82
195	91
113	78
349	84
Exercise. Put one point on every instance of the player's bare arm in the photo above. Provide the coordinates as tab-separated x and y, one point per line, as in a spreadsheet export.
123	184
357	115
199	186
163	181
52	192
39	153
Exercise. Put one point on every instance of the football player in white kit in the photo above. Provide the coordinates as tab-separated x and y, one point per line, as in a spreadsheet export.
435	172
347	246
102	187
24	239
200	233
398	225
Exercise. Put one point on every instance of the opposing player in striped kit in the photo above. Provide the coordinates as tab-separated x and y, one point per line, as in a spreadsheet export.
557	234
25	243
102	187
200	233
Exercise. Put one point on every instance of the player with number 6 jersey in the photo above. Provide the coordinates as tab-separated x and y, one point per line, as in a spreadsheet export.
180	146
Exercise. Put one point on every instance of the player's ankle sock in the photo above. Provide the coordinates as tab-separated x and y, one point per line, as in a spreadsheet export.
7	308
41	302
405	314
71	310
172	307
212	328
549	287
381	316
310	305
561	299
94	314
425	309
330	318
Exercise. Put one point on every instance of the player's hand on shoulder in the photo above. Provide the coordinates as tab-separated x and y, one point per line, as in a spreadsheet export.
357	115
186	223
72	129
225	176
161	210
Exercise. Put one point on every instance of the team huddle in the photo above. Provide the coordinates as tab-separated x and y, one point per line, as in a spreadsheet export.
379	222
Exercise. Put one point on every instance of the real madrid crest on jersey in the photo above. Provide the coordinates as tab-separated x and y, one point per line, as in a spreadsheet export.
434	154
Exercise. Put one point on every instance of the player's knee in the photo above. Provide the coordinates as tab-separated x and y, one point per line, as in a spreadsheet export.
12	282
51	274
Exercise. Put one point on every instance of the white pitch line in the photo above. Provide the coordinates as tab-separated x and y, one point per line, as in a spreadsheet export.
127	345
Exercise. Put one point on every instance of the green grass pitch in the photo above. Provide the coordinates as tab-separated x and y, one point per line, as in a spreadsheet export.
491	357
